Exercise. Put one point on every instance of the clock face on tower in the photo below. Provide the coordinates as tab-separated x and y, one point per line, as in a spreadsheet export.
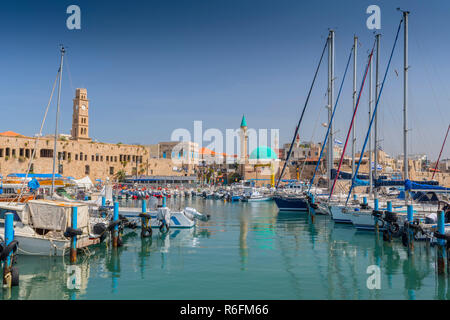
83	107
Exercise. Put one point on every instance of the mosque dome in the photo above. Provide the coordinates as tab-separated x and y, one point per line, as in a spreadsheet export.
263	153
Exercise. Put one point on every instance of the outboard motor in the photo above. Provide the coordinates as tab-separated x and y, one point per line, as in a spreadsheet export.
163	216
192	214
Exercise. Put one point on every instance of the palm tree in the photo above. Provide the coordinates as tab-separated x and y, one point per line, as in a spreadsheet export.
120	176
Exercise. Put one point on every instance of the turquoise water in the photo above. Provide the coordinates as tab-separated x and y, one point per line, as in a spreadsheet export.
245	251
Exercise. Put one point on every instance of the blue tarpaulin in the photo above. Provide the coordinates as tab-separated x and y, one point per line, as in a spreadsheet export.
411	185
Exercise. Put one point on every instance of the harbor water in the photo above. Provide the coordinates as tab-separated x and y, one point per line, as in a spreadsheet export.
245	251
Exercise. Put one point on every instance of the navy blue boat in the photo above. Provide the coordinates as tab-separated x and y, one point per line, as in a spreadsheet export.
291	203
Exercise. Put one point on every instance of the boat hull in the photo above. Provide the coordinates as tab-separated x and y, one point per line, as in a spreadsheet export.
291	204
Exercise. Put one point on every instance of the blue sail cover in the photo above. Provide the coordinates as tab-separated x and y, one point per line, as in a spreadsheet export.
411	185
359	182
33	184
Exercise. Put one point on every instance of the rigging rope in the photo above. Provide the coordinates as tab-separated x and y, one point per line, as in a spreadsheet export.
303	112
353	120
331	119
36	141
374	112
440	153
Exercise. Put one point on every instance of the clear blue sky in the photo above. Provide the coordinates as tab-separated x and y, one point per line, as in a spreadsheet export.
153	66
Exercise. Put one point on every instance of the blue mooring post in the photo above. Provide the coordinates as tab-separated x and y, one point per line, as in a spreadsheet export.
355	197
364	200
9	237
144	221
389	206
313	211
73	241
441	243
376	207
116	227
164	203
103	201
410	216
86	198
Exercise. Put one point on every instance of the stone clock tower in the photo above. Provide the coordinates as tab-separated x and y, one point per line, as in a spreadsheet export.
80	117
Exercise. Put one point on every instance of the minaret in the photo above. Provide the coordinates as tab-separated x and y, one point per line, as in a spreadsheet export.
244	142
80	117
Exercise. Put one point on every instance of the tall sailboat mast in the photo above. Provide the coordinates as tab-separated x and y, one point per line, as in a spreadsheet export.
370	133
405	98
355	47
57	120
330	103
377	84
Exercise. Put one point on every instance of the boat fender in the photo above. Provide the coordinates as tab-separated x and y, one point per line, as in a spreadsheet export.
12	247
390	216
445	236
395	229
14	276
145	215
112	224
377	213
71	232
364	206
99	228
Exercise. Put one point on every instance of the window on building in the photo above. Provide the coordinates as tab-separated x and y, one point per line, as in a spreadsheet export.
92	157
13	152
69	155
86	169
27	153
1	152
46	153
76	156
85	157
101	158
21	152
60	169
111	170
96	157
107	158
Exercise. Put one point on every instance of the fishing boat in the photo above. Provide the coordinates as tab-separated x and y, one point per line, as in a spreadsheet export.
185	218
254	196
40	226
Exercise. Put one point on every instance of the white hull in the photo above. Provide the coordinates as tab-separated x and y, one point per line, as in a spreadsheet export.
177	219
338	215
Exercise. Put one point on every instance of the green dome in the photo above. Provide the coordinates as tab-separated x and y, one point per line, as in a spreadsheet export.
263	153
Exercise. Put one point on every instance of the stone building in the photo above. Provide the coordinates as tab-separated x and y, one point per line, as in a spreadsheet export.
78	156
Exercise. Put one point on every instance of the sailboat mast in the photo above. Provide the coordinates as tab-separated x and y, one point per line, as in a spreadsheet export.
377	83
330	102
57	120
405	98
370	133
355	46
